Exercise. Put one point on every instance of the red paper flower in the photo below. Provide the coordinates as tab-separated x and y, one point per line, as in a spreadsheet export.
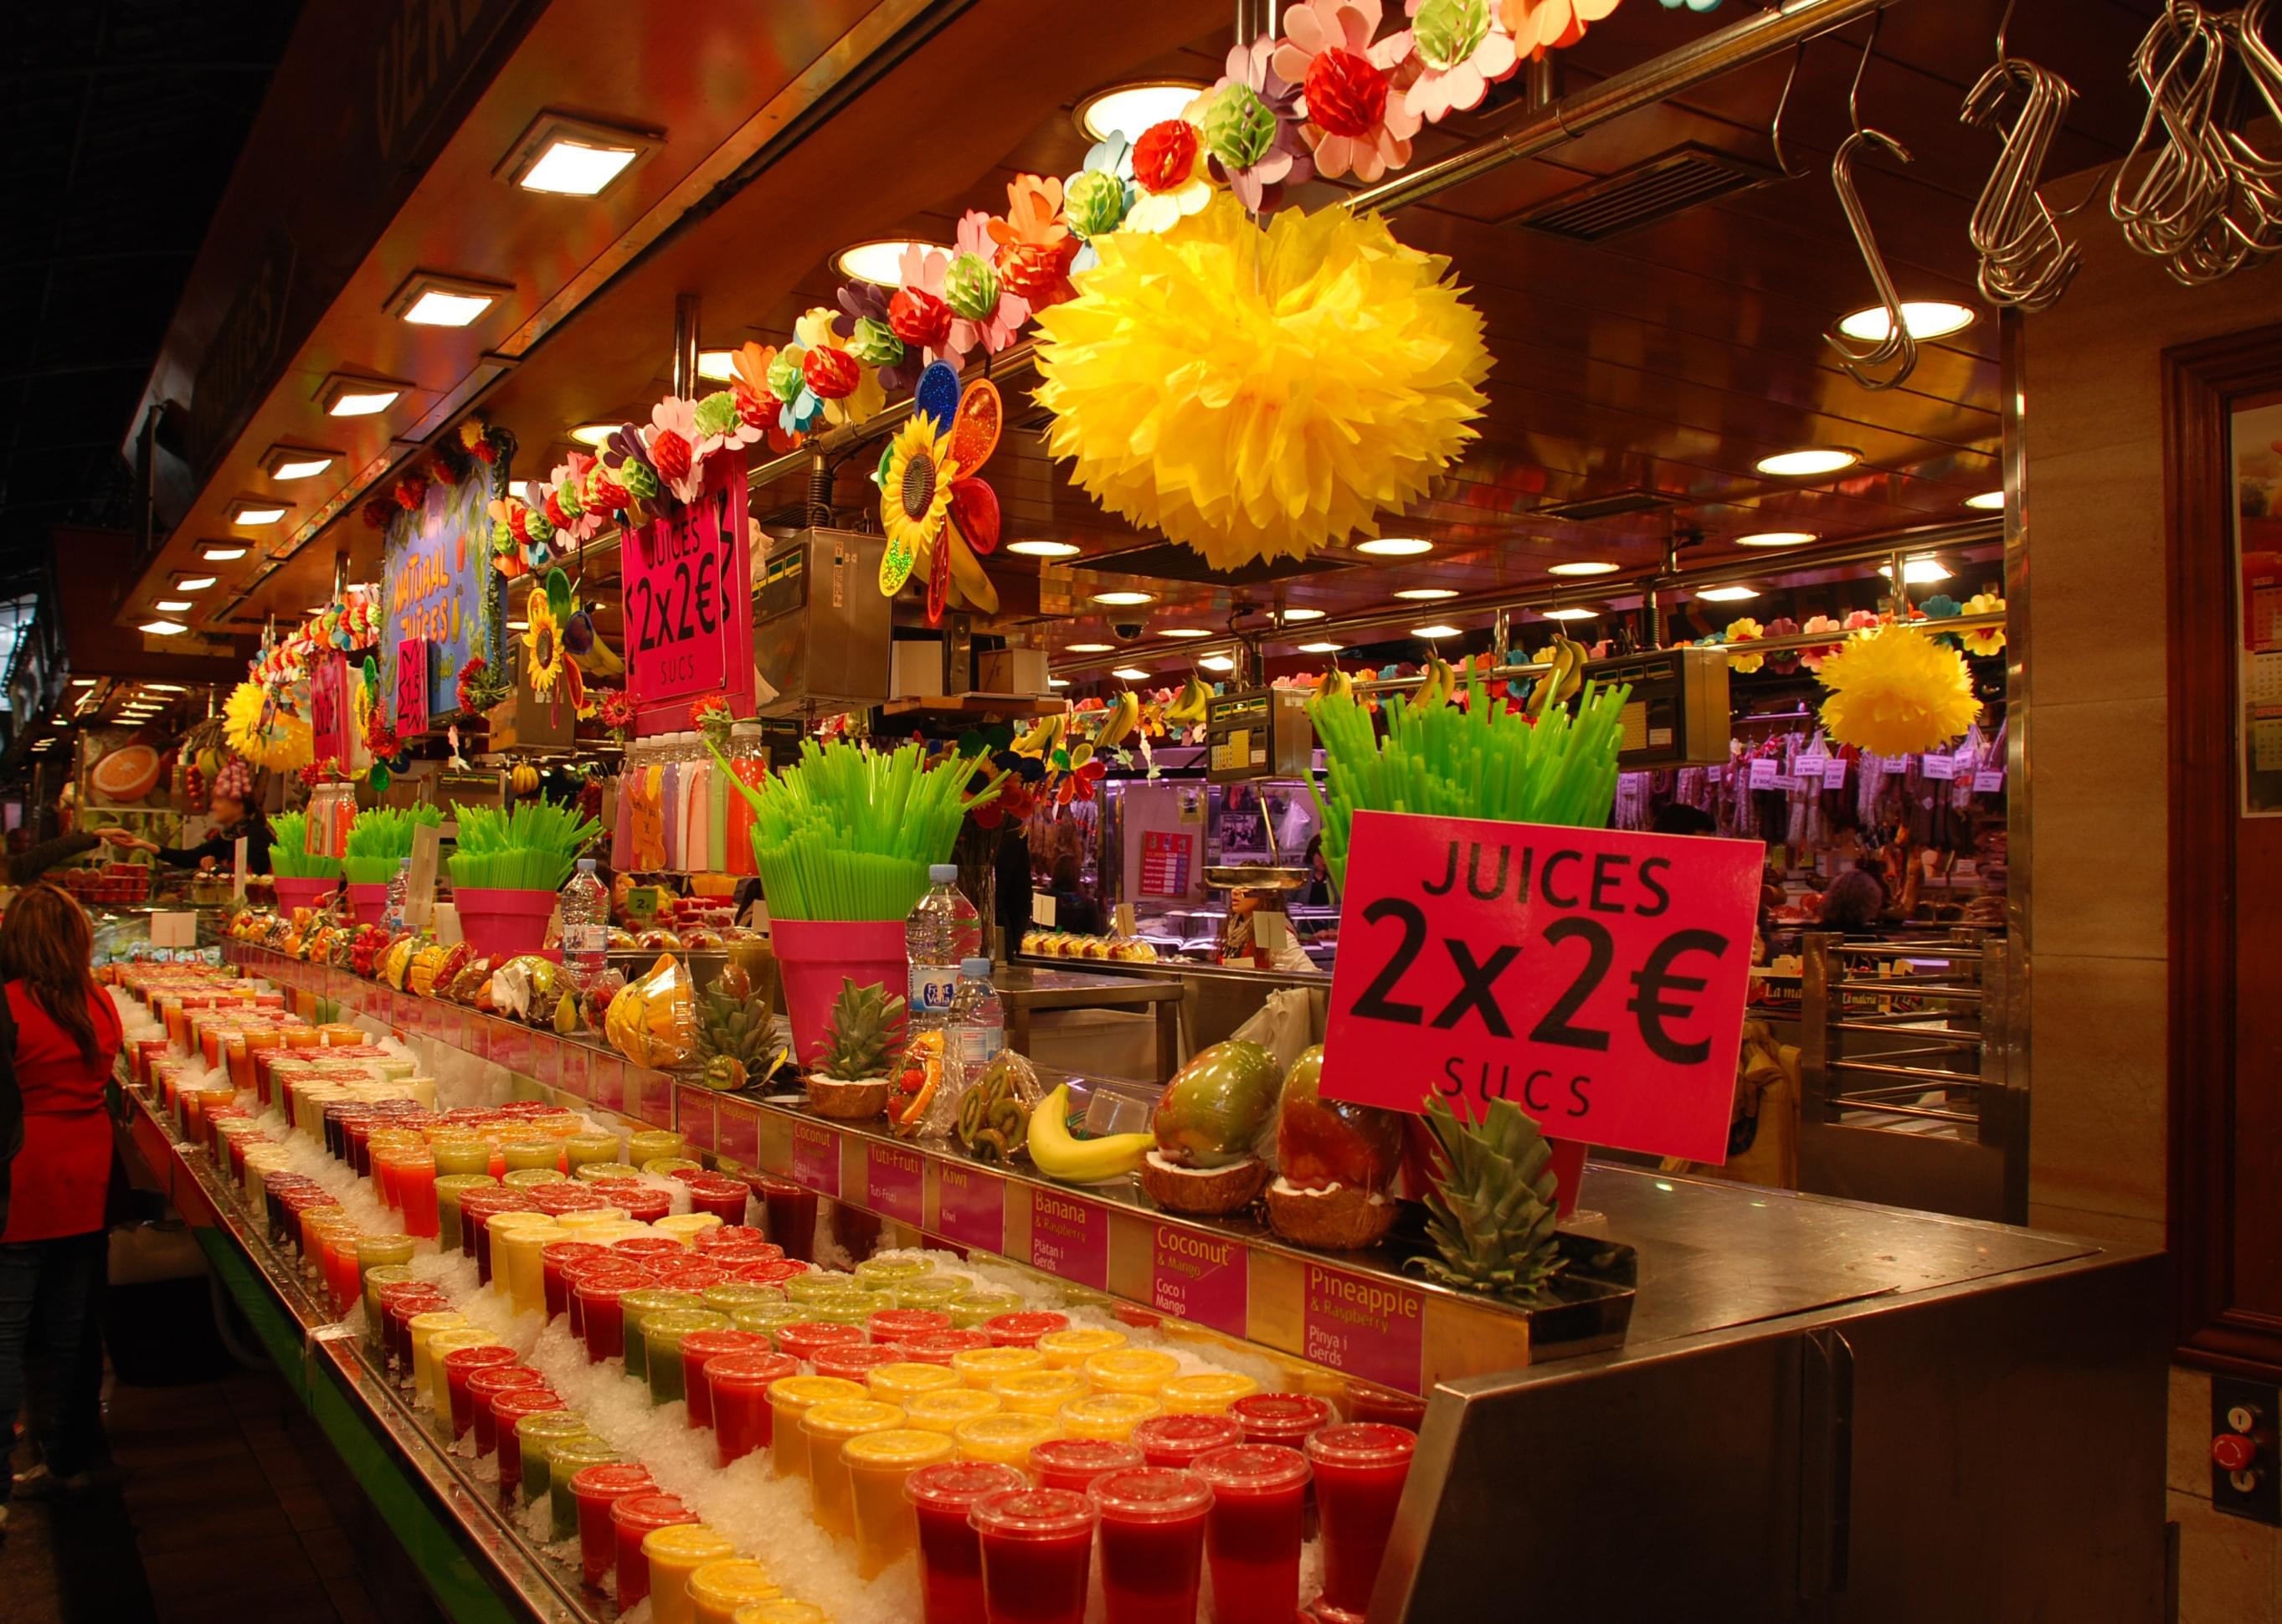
476	440
1166	156
759	410
410	491
1346	93
519	522
668	453
833	374
378	512
470	675
919	318
1035	245
554	513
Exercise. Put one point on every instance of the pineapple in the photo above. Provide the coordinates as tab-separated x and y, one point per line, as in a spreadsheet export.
866	1034
734	1030
1490	1213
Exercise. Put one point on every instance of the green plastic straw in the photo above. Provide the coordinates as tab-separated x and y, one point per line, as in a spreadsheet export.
847	833
381	838
532	848
289	833
1484	761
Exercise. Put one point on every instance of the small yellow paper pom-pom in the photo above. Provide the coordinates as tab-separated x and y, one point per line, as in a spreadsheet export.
1262	393
1744	631
1896	693
1984	640
279	739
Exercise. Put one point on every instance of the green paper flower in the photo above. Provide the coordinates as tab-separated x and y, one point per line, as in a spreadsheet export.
566	497
785	379
1238	127
876	343
1094	202
503	538
639	478
717	414
538	527
1447	32
970	287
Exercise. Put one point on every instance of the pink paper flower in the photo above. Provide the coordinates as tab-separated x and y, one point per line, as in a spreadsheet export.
922	270
1812	658
1358	122
1461	50
997	332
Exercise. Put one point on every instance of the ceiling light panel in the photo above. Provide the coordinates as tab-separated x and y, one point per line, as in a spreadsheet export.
570	157
1128	109
431	298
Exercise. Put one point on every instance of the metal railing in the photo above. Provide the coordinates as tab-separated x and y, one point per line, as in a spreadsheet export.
1911	1030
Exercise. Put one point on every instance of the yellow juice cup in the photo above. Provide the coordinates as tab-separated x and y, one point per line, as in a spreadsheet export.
417	1330
784	1610
983	1367
887	1274
566	1460
731	1295
666	1167
1208	1393
1040	1392
1108	1418
931	1293
789	1401
947	1411
462	1153
828	1426
906	1380
385	1274
1004	1440
653	1145
515	1257
594	1172
674	1554
580	1149
590	1218
524	1177
531	1152
1131	1370
970	1310
877	1463
686	1226
820	1287
717	1589
449	1188
1068	1350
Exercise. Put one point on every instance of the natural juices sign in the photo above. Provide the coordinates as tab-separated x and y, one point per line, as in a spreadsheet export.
688	603
1204	1279
439	590
1363	1326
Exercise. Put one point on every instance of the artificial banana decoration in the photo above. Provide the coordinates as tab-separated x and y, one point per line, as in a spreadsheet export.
1072	1161
1118	721
1189	707
1565	657
1045	736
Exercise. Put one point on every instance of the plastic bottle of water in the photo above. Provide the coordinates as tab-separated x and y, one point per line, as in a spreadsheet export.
586	926
977	1028
400	888
942	928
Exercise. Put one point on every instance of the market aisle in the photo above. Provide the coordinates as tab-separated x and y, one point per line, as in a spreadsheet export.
235	1508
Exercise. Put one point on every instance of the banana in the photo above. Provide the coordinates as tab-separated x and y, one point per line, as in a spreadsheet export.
1042	735
1337	683
1081	1161
1118	720
1573	677
1189	707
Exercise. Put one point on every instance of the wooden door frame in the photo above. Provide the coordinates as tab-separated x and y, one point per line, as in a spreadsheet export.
2200	381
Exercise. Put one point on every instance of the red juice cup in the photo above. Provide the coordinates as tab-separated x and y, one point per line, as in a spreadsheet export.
700	1348
1037	1554
902	1325
608	1267
649	1248
737	1392
1073	1463
1360	1470
937	1346
1175	1441
398	1305
460	1366
597	1489
508	1409
553	1259
555	1199
688	1273
1280	1418
1023	1330
1252	1532
790	1212
599	1311
641	1203
803	1339
415	1187
854	1361
1153	1539
1385	1406
741	1239
951	1552
484	1384
633	1518
724	1198
767	1272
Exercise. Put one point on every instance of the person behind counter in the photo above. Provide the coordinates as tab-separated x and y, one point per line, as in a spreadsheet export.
1317	892
236	818
1074	911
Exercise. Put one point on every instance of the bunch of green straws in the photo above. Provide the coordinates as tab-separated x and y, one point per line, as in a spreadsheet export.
381	838
847	833
1484	761
530	848
289	833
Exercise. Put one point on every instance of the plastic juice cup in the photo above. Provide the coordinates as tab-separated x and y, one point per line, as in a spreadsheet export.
449	1188
1280	1418
1143	1371
416	1188
1070	1349
417	1330
743	1238
1253	1531
1384	1405
983	1367
700	1348
737	1390
878	1465
685	1226
767	1320
649	1245
632	1521
817	1287
368	1284
460	1155
670	1167
529	1177
855	1361
590	1149
555	1259
509	1410
1039	1393
601	1297
673	1554
344	1286
951	1552
876	1272
535	1437
564	1462
717	1589
901	1325
662	1339
790	1400
315	1220
931	1293
731	1295
854	1309
1207	1393
1023	1330
397	1306
1108	1418
436	1397
566	1196
783	1609
1038	1555
483	1386
937	1347
717	1197
1360	1471
596	1172
901	1380
1152	1532
828	1427
946	1411
1002	1440
478	1209
655	1144
1176	1441
519	1241
531	1152
803	1339
633	1308
587	1223
1073	1463
597	1489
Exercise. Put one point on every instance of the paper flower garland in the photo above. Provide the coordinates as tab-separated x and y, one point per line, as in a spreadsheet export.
1261	394
1170	173
1984	640
260	726
1812	658
1251	127
1034	246
1896	693
1744	631
1461	50
1355	122
1540	26
936	514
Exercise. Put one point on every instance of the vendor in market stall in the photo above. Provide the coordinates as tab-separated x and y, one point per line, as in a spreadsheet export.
236	818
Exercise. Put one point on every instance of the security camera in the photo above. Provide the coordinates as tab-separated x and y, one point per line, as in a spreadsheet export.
1127	631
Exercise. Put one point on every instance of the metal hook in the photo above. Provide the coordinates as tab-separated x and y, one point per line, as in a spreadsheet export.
2003	27
1854	92
1897	344
1774	130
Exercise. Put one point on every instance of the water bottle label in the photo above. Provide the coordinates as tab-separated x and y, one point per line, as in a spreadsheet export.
585	939
976	1046
932	986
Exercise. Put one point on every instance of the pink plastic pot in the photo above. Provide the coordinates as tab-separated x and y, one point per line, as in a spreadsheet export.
815	956
293	893
498	924
371	902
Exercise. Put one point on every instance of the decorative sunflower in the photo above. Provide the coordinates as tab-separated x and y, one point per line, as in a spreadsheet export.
263	729
542	645
937	515
915	481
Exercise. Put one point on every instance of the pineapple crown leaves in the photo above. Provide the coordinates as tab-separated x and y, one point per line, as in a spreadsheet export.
867	1032
1492	1215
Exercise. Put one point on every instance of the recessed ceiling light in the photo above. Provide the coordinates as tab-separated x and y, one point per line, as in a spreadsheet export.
164	687
518	626
253	513
1575	611
163	628
1184	631
1319	647
1808	461
1395	547
1130	673
880	262
193	583
1091	648
1988	502
1776	538
1293	617
1044	550
573	157
594	433
430	298
1124	600
82	681
1217	662
222	554
1131	108
298	462
1915	572
1728	595
720	365
1430	633
1057	682
173	605
1922	318
344	396
1428	595
1583	566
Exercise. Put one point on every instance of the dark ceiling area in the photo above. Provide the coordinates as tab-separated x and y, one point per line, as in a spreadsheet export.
120	122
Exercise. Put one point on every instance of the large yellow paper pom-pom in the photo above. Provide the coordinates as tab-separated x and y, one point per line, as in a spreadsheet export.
268	736
1261	394
1896	693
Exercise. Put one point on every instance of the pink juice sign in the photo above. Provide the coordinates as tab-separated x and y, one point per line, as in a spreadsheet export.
1070	1239
1204	1279
1593	978
894	1183
688	603
1363	1326
816	1158
971	1207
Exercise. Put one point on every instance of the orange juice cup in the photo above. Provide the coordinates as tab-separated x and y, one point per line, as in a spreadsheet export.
829	1427
878	1465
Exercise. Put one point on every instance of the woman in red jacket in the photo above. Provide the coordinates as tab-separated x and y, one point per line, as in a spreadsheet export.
53	1250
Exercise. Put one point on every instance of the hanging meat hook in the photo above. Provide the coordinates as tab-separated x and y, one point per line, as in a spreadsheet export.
1886	362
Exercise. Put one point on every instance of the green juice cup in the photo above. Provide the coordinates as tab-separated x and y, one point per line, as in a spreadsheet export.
661	1335
449	1188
